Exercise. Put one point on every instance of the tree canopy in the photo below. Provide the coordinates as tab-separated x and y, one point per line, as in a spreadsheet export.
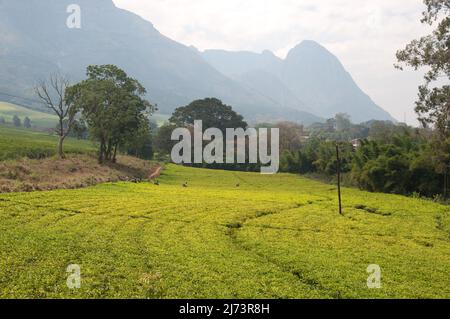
211	111
432	51
113	106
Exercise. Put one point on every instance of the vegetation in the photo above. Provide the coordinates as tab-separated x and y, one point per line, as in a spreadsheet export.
387	157
432	51
433	105
162	139
214	114
391	159
274	236
112	105
74	171
53	95
38	119
141	144
16	143
17	121
211	111
200	233
27	122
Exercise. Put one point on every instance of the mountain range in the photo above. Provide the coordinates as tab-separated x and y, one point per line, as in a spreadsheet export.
308	86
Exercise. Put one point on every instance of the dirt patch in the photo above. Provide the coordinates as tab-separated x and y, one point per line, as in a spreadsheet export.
77	171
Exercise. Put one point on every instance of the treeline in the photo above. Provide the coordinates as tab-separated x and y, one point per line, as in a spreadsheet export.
385	158
17	121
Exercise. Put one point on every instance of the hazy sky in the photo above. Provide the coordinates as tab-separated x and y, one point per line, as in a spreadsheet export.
364	34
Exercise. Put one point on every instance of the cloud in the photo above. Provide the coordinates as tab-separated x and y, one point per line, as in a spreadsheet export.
364	34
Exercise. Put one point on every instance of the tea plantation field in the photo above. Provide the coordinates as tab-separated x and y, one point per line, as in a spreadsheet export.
226	235
39	119
19	142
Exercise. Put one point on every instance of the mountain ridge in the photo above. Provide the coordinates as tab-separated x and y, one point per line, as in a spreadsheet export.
313	79
173	73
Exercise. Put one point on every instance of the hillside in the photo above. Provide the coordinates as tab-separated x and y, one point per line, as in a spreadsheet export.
38	119
310	78
17	143
28	162
173	74
75	171
308	86
274	236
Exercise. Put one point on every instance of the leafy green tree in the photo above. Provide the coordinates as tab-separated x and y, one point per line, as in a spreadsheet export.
340	128
162	139
16	121
214	114
298	162
211	111
433	52
80	130
291	136
113	107
140	144
343	122
27	122
326	161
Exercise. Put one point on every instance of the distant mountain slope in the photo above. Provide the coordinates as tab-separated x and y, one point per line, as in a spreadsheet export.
261	73
36	41
39	119
237	63
310	79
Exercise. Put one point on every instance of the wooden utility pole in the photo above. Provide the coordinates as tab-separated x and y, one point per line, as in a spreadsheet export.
445	183
339	177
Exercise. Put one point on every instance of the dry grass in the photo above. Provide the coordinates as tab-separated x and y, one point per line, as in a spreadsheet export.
77	171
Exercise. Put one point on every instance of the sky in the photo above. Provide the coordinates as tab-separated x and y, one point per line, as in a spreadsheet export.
363	34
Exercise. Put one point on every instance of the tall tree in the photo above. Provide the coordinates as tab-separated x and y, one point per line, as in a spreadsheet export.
27	122
16	121
113	106
291	136
52	93
214	114
432	51
211	111
162	139
433	105
343	122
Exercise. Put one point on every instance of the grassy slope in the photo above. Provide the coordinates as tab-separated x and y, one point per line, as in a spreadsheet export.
39	119
273	237
45	120
17	143
75	171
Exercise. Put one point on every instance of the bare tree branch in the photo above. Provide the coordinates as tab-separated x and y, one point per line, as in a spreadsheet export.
52	93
